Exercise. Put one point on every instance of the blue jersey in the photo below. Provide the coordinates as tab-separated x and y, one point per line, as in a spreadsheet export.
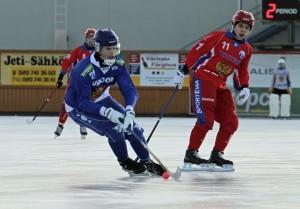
90	83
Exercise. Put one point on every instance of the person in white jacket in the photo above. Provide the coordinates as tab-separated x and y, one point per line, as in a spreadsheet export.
281	91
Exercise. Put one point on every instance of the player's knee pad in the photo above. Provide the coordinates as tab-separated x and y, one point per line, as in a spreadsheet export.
274	105
285	103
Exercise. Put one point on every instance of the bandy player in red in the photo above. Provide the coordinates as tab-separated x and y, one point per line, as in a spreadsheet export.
69	61
209	63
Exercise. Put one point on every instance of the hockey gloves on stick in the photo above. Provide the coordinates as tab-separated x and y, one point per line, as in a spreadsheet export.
178	80
59	82
243	96
128	119
112	115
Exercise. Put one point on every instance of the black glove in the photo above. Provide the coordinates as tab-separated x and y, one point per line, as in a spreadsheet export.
59	82
184	70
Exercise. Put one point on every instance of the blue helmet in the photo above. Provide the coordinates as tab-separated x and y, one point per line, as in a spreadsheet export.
106	37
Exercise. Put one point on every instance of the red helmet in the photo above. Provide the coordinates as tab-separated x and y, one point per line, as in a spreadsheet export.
243	17
89	32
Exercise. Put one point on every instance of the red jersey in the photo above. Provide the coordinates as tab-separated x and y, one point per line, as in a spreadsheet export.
75	56
220	54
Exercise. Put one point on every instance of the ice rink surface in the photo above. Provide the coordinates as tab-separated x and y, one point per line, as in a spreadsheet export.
40	172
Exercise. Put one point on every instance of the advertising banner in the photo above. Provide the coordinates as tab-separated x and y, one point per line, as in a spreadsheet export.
158	69
134	63
30	69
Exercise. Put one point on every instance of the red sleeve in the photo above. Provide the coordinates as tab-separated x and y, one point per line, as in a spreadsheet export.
202	47
70	59
243	72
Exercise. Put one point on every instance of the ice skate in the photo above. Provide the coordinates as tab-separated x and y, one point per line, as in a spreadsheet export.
83	132
133	168
58	130
219	164
192	162
153	168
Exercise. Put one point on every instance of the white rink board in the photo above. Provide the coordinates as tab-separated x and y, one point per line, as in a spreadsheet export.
37	171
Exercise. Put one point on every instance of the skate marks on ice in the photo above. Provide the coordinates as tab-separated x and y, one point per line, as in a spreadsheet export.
189	167
192	191
128	192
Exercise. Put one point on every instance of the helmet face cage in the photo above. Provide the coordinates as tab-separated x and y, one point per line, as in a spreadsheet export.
243	17
89	32
89	36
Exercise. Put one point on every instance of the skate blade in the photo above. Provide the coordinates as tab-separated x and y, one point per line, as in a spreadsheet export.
143	174
83	137
224	168
195	167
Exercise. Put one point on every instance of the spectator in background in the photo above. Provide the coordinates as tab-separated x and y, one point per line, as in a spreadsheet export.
281	91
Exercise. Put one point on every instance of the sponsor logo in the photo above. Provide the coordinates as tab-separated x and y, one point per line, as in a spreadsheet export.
208	99
197	97
242	54
32	60
102	80
87	70
83	118
230	58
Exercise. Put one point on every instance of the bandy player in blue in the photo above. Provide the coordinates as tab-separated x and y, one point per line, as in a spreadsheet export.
89	103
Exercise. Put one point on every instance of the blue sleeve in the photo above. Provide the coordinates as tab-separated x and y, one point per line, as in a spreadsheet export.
83	90
127	87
